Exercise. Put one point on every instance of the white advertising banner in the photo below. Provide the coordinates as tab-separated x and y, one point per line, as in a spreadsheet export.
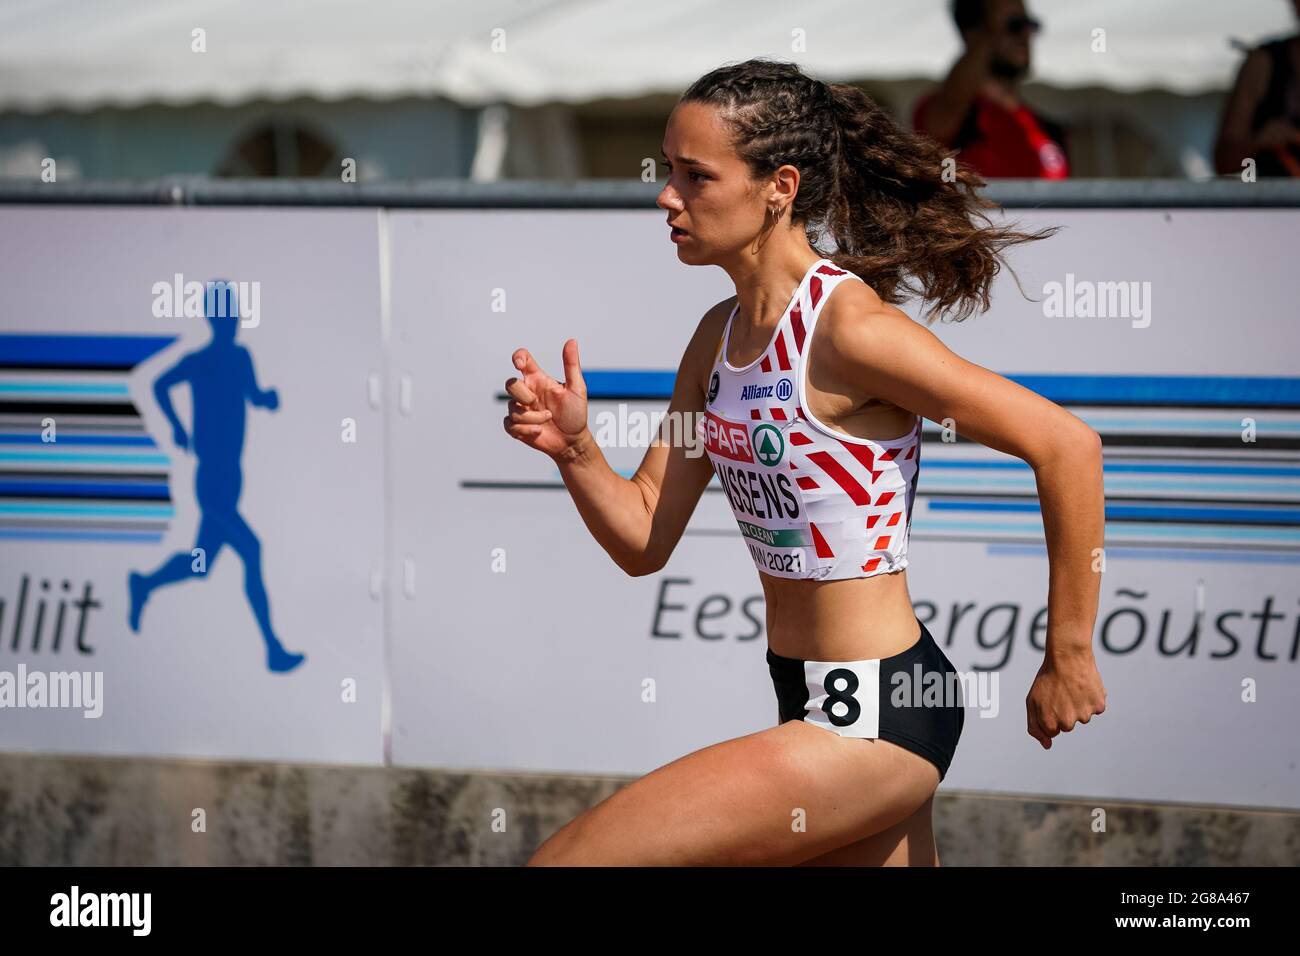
519	644
187	505
189	528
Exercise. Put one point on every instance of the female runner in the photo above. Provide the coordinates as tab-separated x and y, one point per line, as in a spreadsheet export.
815	438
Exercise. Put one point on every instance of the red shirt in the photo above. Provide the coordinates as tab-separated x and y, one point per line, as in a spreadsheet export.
998	143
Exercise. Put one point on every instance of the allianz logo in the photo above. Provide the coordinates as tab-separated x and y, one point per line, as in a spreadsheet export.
781	390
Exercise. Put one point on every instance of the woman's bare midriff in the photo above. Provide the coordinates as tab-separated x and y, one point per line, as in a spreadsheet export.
851	620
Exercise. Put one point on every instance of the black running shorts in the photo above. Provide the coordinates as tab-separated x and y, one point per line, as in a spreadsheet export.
913	699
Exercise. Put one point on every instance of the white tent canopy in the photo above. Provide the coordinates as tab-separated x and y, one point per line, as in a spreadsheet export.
78	55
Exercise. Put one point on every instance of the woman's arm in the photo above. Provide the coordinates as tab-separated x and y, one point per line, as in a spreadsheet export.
942	115
639	521
867	341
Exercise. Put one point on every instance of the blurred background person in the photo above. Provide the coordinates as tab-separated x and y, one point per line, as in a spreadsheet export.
1261	118
977	110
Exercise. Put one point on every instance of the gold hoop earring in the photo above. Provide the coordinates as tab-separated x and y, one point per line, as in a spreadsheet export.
775	212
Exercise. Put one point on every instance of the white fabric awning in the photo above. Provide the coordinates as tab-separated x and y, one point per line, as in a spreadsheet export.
79	55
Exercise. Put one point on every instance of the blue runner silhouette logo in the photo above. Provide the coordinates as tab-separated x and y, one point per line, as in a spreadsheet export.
222	382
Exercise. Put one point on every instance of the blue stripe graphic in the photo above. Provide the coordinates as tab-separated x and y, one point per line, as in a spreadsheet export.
84	458
1149	512
650	383
65	351
1224	390
1190	390
84	489
1230	425
950	484
1268	471
52	367
21	535
1116	531
65	388
1157	554
141	441
120	511
1263	471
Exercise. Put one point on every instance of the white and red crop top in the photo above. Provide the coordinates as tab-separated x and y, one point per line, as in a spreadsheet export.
811	502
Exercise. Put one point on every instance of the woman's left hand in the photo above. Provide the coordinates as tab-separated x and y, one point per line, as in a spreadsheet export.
1065	692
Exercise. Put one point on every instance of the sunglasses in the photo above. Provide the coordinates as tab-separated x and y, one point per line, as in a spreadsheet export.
1022	24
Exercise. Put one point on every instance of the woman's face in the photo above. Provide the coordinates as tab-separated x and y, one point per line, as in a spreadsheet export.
709	192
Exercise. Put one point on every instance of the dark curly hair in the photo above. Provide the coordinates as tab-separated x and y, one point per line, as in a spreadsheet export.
904	221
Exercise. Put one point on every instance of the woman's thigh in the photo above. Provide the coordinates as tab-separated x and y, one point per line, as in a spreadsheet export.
909	842
776	797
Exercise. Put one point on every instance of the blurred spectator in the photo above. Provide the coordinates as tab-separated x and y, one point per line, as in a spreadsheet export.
1261	119
978	111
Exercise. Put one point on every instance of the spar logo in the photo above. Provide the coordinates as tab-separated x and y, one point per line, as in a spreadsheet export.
769	445
726	439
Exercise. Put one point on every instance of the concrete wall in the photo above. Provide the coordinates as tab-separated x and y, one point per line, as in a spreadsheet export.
91	811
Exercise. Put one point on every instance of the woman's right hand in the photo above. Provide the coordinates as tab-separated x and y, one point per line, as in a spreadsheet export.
545	414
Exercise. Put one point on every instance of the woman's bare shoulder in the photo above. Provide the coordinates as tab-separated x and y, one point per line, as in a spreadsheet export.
854	314
858	334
